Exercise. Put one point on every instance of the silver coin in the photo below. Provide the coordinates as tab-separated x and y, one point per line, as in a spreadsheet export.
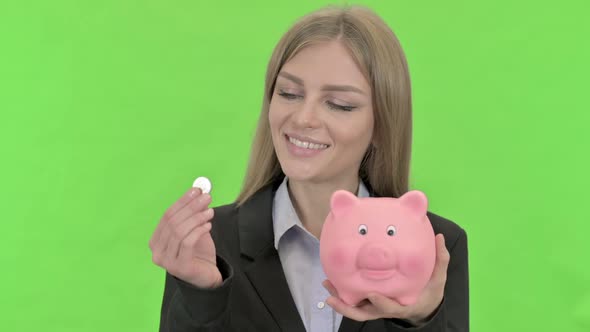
203	183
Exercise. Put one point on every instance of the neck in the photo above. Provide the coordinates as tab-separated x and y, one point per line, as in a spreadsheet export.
311	200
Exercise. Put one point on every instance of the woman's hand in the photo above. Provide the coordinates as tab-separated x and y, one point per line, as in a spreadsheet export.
378	306
182	244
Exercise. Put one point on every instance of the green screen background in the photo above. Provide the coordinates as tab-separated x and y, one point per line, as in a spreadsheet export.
110	109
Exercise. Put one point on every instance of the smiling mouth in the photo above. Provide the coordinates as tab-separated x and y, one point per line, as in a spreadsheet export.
306	145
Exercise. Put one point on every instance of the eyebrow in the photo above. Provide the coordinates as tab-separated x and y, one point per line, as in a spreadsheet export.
328	87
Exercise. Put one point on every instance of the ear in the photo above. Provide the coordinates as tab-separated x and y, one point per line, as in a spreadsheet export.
342	200
416	201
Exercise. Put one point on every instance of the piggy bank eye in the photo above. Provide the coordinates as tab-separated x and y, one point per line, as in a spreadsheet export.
391	231
363	229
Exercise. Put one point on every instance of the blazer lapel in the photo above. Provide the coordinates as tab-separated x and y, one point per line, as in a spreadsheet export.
261	261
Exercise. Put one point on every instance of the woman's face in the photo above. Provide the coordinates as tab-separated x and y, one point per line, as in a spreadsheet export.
321	97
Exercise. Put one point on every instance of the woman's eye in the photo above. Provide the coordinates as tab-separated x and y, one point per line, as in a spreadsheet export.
288	96
340	107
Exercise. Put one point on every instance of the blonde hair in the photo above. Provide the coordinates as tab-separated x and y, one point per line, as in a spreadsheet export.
377	52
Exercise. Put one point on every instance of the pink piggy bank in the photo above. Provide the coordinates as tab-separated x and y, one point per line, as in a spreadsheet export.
378	244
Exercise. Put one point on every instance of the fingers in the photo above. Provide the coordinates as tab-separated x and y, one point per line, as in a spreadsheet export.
442	260
188	196
358	313
330	288
183	229
174	226
180	203
376	306
178	221
385	304
159	247
177	265
155	236
188	243
193	207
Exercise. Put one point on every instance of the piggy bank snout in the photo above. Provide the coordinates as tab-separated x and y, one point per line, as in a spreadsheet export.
376	257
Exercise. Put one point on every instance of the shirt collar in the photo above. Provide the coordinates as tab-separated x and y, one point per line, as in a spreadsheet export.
283	213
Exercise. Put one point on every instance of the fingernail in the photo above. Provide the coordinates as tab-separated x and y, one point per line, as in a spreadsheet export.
194	192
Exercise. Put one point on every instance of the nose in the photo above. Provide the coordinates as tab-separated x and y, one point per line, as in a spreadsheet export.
307	116
376	257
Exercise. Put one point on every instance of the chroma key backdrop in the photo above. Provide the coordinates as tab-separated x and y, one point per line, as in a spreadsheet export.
110	109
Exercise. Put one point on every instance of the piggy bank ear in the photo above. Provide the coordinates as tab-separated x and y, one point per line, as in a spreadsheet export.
416	201
341	201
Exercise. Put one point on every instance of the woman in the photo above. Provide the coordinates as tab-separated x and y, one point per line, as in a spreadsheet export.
336	115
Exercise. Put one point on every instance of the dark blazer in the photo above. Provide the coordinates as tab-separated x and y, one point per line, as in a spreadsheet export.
255	295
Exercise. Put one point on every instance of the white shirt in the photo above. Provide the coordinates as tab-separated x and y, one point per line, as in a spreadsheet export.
299	252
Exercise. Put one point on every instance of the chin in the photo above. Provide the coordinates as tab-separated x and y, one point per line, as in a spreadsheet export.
299	174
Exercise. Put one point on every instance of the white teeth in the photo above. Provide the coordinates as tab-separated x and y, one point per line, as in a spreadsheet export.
307	145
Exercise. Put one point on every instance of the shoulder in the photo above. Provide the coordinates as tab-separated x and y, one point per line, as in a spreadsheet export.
248	216
224	216
226	211
453	233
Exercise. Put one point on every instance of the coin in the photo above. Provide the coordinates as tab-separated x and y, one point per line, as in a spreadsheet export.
203	183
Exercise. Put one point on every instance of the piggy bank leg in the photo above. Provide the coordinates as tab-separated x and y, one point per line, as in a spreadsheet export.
351	299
